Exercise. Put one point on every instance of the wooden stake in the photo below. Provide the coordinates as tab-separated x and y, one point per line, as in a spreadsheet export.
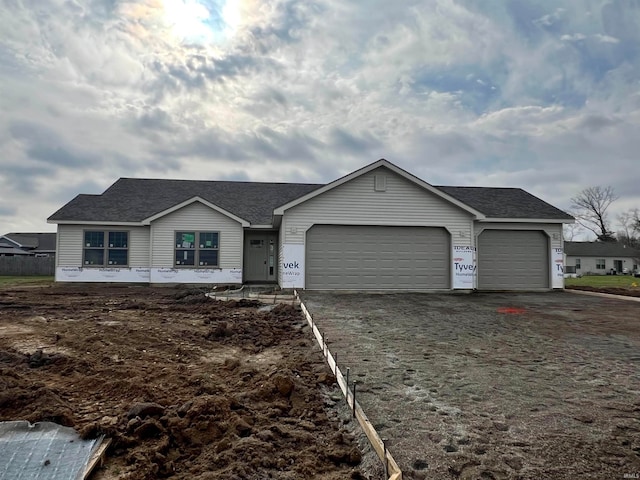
354	397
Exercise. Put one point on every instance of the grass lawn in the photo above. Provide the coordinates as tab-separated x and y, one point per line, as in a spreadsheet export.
36	280
603	281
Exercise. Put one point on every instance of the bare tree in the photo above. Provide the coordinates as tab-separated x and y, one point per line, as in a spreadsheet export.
590	207
571	231
629	232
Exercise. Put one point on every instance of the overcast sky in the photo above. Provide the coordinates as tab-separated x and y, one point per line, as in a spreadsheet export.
543	95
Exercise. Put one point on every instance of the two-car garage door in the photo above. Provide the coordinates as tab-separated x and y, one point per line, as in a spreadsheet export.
356	257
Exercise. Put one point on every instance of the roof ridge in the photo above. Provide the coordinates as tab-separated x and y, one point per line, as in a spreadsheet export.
215	181
476	186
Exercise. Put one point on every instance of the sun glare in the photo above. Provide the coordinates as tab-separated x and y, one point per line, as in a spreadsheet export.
202	21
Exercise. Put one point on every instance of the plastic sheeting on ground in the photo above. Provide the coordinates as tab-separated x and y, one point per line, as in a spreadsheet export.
43	450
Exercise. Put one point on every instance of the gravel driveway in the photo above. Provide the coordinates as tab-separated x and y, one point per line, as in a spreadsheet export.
494	386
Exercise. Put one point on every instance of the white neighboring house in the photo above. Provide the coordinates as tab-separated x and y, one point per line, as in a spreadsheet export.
377	228
601	258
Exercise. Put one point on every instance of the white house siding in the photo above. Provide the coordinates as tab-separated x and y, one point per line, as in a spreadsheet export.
196	217
357	203
588	264
280	257
553	230
71	237
69	266
69	241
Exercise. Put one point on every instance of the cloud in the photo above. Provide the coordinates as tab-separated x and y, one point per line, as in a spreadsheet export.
537	94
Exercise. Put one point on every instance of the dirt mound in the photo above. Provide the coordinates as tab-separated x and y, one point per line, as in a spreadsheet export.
186	387
629	292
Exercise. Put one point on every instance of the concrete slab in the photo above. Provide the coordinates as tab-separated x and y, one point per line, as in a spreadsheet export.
519	385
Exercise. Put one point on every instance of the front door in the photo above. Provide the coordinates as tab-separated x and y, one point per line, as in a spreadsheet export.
617	265
260	256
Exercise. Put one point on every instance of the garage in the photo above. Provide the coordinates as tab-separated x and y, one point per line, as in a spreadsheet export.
513	260
357	257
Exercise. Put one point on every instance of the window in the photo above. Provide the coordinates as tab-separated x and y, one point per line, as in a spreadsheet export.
197	249
112	252
578	264
600	264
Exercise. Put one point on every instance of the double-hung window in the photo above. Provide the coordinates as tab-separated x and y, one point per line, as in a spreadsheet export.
197	249
600	264
105	248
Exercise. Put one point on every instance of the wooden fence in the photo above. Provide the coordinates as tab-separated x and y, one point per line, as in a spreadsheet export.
24	266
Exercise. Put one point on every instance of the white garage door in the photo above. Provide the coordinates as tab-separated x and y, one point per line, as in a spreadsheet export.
350	257
513	260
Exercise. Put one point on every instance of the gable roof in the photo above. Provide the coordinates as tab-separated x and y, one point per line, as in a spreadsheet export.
132	200
506	203
36	242
394	168
599	249
138	201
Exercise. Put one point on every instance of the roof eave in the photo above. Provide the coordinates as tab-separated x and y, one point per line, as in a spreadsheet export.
11	240
526	220
93	222
262	227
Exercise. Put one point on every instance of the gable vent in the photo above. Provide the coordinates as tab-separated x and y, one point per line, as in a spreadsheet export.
380	183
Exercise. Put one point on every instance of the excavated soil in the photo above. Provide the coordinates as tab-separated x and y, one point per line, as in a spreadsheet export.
187	387
628	292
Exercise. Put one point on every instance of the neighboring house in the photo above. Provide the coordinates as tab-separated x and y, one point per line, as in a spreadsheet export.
601	258
8	251
39	244
378	228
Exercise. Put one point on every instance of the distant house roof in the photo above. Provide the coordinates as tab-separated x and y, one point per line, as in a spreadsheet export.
4	250
599	249
505	202
32	242
131	200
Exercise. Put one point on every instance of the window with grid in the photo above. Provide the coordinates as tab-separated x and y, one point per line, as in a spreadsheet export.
600	264
578	264
197	249
105	248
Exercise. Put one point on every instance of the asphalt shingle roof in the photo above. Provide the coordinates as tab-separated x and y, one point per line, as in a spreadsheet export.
133	200
505	202
599	249
35	241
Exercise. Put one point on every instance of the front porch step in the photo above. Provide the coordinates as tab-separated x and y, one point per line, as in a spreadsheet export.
263	293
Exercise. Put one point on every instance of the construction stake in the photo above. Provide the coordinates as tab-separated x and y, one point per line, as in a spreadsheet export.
354	398
385	461
347	384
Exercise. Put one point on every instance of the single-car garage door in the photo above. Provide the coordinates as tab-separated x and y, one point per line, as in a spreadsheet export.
513	260
355	257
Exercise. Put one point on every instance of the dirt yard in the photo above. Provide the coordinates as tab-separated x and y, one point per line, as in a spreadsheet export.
494	386
187	387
